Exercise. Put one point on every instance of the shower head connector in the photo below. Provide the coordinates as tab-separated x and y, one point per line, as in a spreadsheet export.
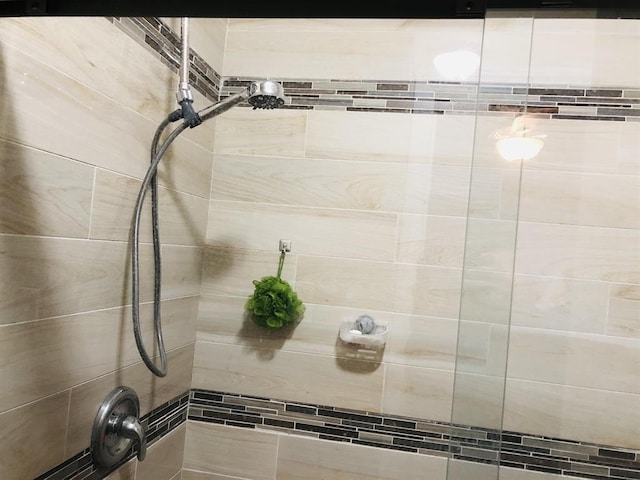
266	94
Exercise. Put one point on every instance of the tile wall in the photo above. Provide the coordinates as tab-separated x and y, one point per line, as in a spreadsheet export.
80	102
375	203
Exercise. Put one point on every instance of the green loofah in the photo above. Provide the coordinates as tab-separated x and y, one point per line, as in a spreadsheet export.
274	304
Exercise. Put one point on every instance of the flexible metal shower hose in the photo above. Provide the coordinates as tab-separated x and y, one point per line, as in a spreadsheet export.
150	180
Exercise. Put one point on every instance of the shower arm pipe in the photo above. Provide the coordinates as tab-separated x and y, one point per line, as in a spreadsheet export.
184	90
224	105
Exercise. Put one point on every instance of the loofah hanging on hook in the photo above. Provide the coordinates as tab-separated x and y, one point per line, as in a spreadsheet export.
274	304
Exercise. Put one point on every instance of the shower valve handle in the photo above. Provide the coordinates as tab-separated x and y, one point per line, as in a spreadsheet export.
117	427
131	428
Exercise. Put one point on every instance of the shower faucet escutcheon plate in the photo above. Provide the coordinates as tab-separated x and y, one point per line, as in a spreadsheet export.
117	427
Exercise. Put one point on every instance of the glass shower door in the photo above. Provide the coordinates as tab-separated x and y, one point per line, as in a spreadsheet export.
503	117
548	355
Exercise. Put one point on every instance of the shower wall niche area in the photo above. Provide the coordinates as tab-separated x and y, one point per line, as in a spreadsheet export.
510	289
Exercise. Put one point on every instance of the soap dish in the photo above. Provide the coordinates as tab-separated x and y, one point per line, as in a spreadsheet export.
353	331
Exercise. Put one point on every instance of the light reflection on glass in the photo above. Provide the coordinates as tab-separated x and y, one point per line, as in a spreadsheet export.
457	65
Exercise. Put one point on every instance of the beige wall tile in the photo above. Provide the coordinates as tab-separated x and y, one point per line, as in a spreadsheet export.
437	190
372	25
427	342
310	182
580	147
506	43
206	37
494	193
507	473
418	392
348	383
315	54
463	470
339	233
186	167
238	452
490	245
306	458
431	240
478	400
245	131
182	217
231	271
486	296
164	457
52	277
120	145
390	137
577	52
395	51
93	60
414	289
587	253
126	472
419	341
223	319
32	437
623	317
559	304
43	194
43	124
108	61
581	199
482	348
426	290
152	392
182	271
43	357
583	360
194	475
563	411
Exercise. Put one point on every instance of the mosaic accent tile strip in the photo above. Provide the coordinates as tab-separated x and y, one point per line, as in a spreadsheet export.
450	98
157	423
474	444
429	97
156	36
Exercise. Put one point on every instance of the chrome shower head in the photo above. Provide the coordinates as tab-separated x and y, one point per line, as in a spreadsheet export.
261	94
266	94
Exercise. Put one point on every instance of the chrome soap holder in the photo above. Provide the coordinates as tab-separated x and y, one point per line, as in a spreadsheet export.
364	331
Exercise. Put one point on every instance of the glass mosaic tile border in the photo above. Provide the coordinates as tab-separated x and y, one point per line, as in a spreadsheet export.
158	38
157	423
473	444
392	432
428	97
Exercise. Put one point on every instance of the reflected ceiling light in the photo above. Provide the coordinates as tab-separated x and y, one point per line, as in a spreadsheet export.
519	148
457	65
519	143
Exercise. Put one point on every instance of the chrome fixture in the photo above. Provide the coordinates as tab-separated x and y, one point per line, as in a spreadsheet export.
260	94
116	427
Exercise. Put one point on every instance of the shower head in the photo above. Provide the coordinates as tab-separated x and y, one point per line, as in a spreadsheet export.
266	94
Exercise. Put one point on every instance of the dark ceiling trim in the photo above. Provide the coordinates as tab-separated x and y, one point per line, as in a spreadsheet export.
307	8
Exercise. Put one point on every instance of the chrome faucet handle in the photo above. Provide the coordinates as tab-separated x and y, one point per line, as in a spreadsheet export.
117	427
131	428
